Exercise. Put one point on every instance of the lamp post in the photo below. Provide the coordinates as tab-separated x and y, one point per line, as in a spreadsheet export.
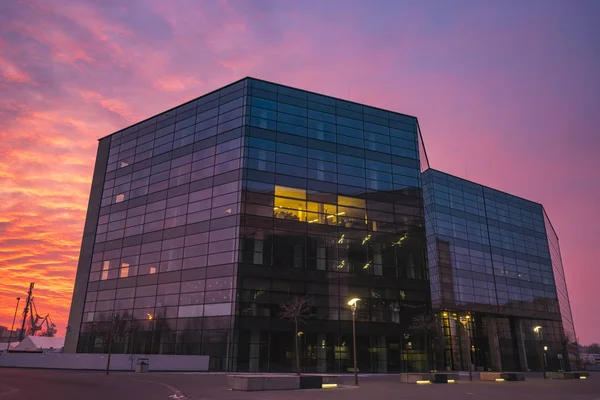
465	320
13	325
544	358
538	332
112	326
403	353
352	304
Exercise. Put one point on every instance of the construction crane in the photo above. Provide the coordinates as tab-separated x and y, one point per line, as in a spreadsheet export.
26	311
36	322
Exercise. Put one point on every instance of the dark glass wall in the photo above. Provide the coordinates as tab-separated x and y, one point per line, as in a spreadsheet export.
332	209
489	259
570	338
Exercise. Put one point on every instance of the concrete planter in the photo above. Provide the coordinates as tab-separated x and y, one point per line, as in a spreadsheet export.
567	375
433	377
259	382
507	376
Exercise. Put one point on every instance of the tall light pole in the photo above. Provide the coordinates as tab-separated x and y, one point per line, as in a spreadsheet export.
465	320
110	337
538	332
13	325
352	304
403	352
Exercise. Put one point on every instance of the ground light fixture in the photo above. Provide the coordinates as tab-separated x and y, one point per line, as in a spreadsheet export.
352	304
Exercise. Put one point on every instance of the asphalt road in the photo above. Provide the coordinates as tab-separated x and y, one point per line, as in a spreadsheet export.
32	384
21	384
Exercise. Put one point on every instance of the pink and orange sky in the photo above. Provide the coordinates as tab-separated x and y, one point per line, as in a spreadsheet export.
507	94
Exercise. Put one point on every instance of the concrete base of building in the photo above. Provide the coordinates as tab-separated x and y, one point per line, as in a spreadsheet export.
501	376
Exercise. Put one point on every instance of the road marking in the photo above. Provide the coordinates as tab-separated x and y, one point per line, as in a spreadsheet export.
10	391
177	395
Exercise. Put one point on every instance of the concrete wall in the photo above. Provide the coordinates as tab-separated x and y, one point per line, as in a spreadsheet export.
118	362
87	247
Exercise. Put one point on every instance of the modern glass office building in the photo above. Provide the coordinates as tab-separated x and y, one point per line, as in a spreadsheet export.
205	219
496	278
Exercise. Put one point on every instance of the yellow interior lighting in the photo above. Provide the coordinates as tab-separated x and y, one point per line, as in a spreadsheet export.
290	192
329	385
450	380
499	380
583	377
423	382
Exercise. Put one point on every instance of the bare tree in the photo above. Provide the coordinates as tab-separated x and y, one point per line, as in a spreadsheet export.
424	324
298	311
569	344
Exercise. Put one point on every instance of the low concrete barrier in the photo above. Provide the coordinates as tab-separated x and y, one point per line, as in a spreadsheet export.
507	376
311	382
261	382
329	379
433	377
567	375
118	362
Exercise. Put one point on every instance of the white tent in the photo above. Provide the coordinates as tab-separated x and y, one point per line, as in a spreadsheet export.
39	344
7	346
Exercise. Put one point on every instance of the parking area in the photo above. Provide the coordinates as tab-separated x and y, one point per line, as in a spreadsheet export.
66	385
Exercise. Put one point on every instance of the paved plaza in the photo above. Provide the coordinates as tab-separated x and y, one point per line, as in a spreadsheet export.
66	385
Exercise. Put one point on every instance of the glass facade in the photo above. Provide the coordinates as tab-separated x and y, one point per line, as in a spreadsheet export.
213	214
164	261
205	219
569	337
492	258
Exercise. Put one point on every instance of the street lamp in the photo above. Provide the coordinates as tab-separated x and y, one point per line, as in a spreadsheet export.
110	337
465	321
538	332
403	353
13	325
352	304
